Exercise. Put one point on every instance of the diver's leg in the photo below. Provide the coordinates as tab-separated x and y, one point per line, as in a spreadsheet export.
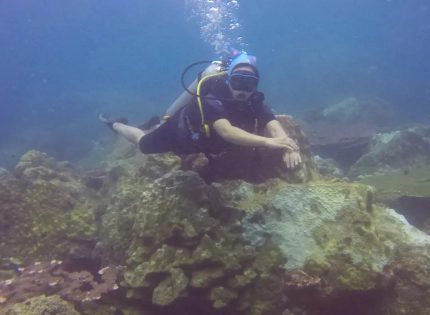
132	134
159	139
120	126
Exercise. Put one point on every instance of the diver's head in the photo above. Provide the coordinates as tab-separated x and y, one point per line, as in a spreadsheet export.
243	76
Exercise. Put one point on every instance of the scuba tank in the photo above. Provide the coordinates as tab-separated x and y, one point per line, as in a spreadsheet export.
214	69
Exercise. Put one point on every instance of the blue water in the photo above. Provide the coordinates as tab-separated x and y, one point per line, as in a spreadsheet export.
64	61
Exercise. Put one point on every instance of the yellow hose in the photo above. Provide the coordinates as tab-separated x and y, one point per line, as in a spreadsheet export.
205	126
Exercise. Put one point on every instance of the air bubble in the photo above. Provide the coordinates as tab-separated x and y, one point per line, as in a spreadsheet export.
219	26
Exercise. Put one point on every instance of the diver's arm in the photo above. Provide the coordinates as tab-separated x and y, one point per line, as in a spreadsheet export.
239	136
275	130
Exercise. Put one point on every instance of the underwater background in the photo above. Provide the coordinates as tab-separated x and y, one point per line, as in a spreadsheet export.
64	62
117	232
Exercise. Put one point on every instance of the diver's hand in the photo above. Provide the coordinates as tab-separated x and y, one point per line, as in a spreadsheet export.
291	143
292	158
280	143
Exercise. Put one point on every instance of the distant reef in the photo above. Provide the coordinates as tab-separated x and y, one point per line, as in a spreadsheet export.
159	234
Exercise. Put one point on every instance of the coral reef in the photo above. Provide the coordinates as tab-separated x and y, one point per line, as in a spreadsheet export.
179	243
44	201
42	305
52	278
269	242
345	244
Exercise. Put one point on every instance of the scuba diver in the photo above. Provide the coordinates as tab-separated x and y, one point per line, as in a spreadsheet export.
222	107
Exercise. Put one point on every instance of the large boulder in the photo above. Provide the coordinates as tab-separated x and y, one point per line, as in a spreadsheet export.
343	130
181	250
395	151
246	248
352	109
398	166
346	143
357	257
268	248
406	191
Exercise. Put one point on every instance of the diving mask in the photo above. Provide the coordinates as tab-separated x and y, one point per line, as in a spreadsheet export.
243	81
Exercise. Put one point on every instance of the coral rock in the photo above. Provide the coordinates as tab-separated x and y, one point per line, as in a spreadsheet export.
170	288
46	211
42	305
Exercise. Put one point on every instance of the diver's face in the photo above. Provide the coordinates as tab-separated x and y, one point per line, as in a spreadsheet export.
243	83
240	95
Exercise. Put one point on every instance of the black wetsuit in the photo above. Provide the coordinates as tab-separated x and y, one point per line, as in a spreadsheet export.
182	133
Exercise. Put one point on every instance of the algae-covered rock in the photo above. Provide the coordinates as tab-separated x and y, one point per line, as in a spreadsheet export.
43	305
334	232
46	211
222	296
179	242
406	191
411	282
241	236
397	166
204	277
161	262
231	247
169	289
291	214
126	160
395	151
328	167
